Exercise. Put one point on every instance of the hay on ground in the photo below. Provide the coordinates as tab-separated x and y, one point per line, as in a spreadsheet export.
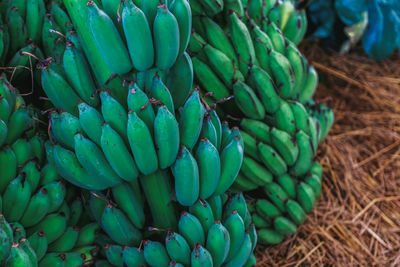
357	219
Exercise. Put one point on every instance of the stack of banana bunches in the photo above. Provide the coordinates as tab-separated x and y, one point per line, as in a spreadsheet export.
126	158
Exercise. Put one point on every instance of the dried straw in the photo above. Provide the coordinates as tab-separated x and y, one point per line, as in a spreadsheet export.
357	220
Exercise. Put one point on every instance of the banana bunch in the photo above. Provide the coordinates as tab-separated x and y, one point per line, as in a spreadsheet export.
135	152
288	200
40	216
217	232
250	51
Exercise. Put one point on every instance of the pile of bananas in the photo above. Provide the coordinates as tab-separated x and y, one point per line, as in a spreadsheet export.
248	49
41	220
137	168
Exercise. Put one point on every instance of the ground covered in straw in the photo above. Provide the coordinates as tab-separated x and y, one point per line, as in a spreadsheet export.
357	220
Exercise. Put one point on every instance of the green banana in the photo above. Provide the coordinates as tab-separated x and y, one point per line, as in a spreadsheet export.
283	74
183	14
177	247
141	144
284	118
300	116
34	18
161	93
18	257
216	37
203	212
69	125
201	257
180	79
118	227
208	130
186	174
114	254
259	221
58	90
117	154
74	259
78	74
166	37
19	121
271	159
16	198
236	203
94	161
218	243
209	80
284	226
38	242
235	226
316	169
299	66
66	241
76	212
114	113
212	7
68	166
191	119
288	184
266	89
295	212
87	235
222	65
8	164
285	145
255	172
17	29
310	85
306	154
138	102
138	35
305	196
215	203
231	162
315	183
53	259
191	229
209	165
258	130
244	183
107	40
37	208
60	17
155	253
5	246
242	42
242	255
247	101
3	132
267	236
133	257
266	209
23	151
277	195
53	226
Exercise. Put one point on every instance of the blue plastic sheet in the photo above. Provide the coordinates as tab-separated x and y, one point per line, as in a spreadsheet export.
382	35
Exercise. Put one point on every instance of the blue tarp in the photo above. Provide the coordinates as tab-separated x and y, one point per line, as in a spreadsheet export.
382	35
